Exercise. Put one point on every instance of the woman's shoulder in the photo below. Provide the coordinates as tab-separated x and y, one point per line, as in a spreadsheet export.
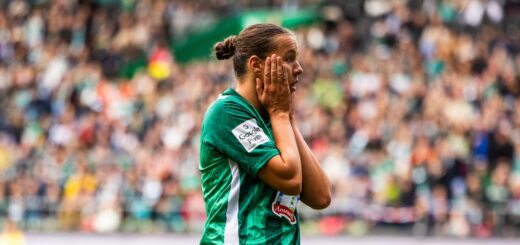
226	106
225	103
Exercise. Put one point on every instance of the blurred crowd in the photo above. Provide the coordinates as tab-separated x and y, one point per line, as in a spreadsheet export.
411	106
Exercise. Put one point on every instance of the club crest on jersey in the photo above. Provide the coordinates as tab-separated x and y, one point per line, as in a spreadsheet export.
285	206
250	135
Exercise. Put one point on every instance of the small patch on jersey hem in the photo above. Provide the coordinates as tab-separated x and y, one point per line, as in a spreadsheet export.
285	206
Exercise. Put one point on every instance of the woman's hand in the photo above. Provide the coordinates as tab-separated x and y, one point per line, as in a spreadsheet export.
274	92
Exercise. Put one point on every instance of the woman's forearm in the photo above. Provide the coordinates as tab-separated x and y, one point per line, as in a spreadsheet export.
286	143
315	184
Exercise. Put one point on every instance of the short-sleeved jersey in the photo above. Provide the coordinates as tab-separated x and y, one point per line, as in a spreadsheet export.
236	141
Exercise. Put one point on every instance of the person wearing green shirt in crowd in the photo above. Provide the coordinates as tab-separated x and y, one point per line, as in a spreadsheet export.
255	164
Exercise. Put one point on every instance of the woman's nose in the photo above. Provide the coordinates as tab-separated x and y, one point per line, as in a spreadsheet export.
298	69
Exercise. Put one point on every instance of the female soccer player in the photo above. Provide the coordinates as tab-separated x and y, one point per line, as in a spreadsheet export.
254	161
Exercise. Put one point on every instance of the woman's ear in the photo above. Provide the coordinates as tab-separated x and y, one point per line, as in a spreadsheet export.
256	65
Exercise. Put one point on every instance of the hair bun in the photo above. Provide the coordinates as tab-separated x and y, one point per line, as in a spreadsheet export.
225	49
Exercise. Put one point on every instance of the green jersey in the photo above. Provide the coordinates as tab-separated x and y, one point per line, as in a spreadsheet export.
236	141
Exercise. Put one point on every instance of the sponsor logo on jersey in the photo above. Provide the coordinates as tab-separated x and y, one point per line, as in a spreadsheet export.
250	135
285	206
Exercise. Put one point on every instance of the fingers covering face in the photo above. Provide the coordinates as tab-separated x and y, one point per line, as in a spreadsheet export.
286	75
267	72
280	70
275	72
274	65
259	87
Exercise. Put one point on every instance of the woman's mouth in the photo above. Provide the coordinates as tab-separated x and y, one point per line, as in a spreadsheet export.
293	85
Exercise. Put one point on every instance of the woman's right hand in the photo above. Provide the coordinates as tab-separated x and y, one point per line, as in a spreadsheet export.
274	92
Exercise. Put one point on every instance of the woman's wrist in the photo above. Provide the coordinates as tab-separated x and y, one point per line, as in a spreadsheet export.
292	119
280	115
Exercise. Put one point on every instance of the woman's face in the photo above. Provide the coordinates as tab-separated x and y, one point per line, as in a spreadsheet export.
287	49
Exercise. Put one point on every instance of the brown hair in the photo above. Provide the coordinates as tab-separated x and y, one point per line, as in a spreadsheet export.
254	40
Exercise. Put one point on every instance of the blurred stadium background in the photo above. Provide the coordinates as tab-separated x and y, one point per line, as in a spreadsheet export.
411	105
